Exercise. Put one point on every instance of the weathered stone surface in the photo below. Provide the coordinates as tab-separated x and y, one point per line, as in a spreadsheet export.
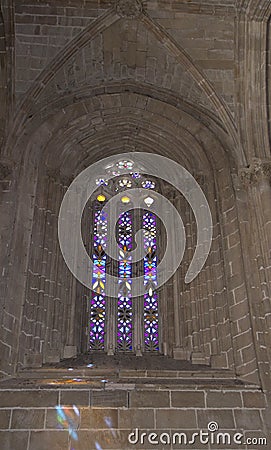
136	418
152	399
29	398
42	440
248	419
4	418
72	397
188	80
224	418
99	418
180	419
224	399
254	400
28	419
109	399
14	440
190	399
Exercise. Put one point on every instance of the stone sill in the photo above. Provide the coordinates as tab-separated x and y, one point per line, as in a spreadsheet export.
121	379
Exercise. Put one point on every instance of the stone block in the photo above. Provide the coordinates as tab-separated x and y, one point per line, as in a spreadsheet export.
181	354
223	417
27	419
200	358
176	418
254	400
187	399
99	418
29	398
74	397
248	419
14	440
33	360
112	399
136	418
70	351
52	356
104	439
152	399
44	440
225	399
4	418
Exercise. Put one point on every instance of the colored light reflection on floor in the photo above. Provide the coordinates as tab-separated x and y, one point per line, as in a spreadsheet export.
73	381
68	419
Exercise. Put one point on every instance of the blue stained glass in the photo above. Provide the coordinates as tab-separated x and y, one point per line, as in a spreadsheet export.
97	303
125	307
151	316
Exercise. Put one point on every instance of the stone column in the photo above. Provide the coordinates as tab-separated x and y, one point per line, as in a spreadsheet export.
256	237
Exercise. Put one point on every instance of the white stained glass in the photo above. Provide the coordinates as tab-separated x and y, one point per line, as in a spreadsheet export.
125	165
148	201
148	184
101	182
125	182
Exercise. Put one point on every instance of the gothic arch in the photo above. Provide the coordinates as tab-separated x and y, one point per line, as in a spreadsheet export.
35	97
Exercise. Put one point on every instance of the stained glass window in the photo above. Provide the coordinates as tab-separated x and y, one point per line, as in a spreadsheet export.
127	310
98	302
148	184
125	182
151	318
125	306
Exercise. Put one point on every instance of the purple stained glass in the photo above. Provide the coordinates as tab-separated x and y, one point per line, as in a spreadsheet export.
124	316
151	316
97	302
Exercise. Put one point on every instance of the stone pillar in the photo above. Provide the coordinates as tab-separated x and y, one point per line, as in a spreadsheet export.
254	182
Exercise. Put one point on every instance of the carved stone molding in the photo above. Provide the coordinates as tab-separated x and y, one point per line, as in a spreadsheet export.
6	168
258	170
129	8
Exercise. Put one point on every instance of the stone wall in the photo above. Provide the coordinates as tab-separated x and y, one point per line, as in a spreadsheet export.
28	418
183	79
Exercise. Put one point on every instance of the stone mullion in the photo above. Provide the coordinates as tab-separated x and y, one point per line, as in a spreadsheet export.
69	289
36	258
214	276
51	270
188	305
31	296
193	292
62	287
163	304
54	269
176	289
206	315
215	290
78	306
52	275
138	302
163	300
39	224
203	319
112	304
47	259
